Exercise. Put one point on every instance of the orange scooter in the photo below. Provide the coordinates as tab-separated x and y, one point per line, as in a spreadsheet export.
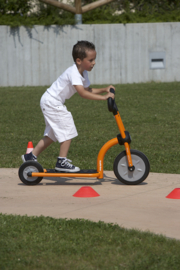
131	167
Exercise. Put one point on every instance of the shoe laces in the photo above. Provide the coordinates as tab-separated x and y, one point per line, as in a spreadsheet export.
66	162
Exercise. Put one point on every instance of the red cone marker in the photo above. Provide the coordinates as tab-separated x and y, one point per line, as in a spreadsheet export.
86	192
175	194
29	147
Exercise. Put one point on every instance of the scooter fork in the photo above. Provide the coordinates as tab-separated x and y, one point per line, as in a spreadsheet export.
126	144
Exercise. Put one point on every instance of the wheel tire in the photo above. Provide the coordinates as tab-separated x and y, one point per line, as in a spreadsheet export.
140	173
30	166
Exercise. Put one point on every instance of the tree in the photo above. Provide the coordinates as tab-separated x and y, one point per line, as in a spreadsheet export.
78	9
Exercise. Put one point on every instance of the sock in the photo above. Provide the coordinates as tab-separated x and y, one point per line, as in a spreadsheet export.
61	157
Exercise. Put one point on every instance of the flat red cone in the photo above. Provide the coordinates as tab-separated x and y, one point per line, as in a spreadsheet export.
175	194
86	192
29	147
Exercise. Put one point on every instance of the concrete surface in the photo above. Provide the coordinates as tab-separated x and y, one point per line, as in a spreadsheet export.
144	207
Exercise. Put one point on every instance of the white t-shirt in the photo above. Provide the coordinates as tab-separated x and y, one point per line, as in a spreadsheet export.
63	88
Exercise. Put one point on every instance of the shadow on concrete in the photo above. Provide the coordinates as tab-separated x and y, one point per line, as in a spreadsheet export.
85	182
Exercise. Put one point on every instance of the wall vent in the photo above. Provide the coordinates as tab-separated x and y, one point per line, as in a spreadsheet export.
157	60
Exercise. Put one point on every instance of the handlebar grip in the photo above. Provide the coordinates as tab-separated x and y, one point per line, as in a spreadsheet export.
112	90
111	103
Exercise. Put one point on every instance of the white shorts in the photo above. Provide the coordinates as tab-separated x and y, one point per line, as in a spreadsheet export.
59	122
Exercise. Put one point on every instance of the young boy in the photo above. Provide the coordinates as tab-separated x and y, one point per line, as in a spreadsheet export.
59	121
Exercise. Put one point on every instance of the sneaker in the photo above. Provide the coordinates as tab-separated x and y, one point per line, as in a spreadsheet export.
28	157
64	165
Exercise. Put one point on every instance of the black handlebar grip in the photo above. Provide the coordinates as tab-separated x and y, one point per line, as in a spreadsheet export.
112	90
111	103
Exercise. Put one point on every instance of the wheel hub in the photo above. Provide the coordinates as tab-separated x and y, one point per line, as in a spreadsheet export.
27	172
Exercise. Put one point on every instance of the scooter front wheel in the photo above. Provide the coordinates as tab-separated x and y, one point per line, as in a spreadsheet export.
29	167
140	173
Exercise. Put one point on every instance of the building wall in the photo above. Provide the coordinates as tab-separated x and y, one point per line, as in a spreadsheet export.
39	55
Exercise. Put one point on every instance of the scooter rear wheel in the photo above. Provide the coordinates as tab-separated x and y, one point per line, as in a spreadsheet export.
28	167
140	173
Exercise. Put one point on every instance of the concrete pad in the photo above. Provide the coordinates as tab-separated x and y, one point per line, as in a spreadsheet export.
144	207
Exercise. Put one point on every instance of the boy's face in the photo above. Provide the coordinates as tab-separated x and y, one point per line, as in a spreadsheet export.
88	62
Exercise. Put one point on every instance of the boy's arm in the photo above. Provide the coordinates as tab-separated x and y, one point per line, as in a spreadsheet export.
84	93
99	90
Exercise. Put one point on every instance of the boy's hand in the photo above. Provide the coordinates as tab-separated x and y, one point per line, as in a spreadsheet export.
109	87
111	95
84	93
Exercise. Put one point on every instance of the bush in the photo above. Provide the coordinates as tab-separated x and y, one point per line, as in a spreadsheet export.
134	11
22	12
15	7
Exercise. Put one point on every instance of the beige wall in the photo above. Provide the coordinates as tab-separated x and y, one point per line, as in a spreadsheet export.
39	55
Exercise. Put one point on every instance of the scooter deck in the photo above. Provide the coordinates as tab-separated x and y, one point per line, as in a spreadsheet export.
54	173
81	171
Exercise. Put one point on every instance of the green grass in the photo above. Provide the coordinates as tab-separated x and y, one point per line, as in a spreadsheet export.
48	243
150	113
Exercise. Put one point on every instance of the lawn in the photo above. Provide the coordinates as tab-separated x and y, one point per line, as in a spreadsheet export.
32	243
150	113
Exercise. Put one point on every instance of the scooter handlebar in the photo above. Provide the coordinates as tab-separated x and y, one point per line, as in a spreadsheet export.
112	90
111	103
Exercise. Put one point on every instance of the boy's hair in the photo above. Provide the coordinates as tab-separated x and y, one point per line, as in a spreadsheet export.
80	49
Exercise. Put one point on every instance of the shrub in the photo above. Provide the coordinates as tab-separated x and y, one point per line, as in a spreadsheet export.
22	12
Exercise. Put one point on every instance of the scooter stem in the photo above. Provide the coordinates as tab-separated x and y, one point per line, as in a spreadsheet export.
120	124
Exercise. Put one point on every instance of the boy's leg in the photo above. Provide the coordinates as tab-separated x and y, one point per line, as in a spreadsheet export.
63	164
41	146
64	148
